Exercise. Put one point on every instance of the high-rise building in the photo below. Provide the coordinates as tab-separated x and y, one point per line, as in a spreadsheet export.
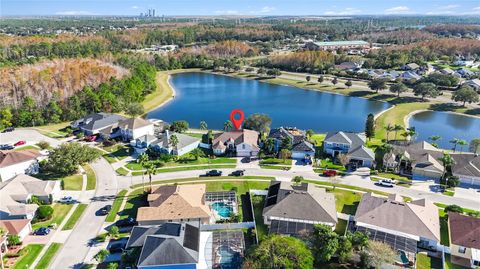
153	14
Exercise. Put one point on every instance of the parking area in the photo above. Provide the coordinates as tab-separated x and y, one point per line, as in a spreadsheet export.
29	135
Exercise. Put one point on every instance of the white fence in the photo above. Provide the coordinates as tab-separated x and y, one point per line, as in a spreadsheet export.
259	192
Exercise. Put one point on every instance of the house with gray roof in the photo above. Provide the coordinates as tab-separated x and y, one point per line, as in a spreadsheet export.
294	209
162	143
351	144
474	83
301	147
404	226
169	245
98	123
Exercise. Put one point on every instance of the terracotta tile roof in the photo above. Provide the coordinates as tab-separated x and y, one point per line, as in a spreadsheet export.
464	230
9	157
14	226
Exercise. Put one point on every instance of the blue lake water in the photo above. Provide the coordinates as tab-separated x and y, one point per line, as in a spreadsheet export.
210	98
446	125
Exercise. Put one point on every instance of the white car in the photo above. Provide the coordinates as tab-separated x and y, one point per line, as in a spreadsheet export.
67	200
386	182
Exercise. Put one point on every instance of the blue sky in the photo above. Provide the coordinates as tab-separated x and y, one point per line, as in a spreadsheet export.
239	7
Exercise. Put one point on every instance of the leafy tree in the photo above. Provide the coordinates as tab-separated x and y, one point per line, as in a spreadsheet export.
462	143
389	128
465	94
342	159
279	251
453	181
320	79
269	145
65	159
227	125
13	240
258	122
112	265
5	117
173	141
203	125
370	126
309	133
348	83
101	255
434	139
397	128
453	208
475	145
308	78
285	154
345	249
324	243
447	162
398	88
455	142
150	169
179	126
134	109
380	253
53	112
377	84
359	240
274	72
196	153
297	179
43	145
426	89
113	231
286	143
44	212
334	81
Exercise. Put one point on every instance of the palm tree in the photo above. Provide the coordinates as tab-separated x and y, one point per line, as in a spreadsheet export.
173	141
397	128
143	160
203	125
447	161
434	139
269	145
150	170
455	142
410	133
389	128
227	125
196	153
462	143
309	133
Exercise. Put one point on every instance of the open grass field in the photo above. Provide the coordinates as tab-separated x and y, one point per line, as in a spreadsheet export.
77	214
48	256
73	182
27	255
60	211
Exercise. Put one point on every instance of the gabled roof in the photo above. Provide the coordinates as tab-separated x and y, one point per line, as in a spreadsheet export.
133	123
96	121
139	233
419	218
303	146
353	139
14	226
11	157
244	136
183	140
362	152
464	230
304	202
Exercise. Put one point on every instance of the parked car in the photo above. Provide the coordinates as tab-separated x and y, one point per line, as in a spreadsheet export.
213	173
117	247
67	200
6	147
329	173
237	173
41	231
20	143
126	222
8	129
386	182
91	138
104	210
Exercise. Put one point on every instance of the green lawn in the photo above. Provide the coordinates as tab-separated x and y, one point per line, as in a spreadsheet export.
276	167
346	201
341	227
59	213
258	202
318	138
185	161
135	199
91	178
394	176
444	238
394	116
187	168
27	255
276	161
423	261
73	182
202	179
117	203
122	171
328	164
329	184
196	135
75	217
27	147
241	187
109	158
48	256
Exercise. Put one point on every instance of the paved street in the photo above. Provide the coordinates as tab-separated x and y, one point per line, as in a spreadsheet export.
29	135
76	247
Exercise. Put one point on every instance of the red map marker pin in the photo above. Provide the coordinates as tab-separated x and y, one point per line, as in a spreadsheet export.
236	122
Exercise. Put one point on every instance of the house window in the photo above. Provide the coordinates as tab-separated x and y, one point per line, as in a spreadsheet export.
462	250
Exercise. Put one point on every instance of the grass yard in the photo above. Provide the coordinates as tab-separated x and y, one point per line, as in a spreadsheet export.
109	158
346	201
117	203
318	139
262	230
73	182
91	178
135	199
77	214
27	255
444	238
54	130
60	211
27	147
187	168
277	167
202	179
328	164
48	256
276	161
122	171
394	116
241	187
184	162
394	176
341	227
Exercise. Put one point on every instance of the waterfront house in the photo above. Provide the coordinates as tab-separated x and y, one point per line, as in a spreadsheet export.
169	203
464	234
15	195
242	143
294	209
404	226
19	227
351	144
301	147
13	163
134	128
97	123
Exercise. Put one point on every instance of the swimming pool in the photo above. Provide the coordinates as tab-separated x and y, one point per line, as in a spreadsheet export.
402	258
223	210
229	259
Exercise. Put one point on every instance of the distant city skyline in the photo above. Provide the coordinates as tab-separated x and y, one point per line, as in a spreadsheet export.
244	7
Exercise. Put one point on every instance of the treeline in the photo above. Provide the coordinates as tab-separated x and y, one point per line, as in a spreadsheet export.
399	37
115	96
464	30
227	48
305	61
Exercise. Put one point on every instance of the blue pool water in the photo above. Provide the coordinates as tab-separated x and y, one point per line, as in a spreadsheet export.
224	210
229	259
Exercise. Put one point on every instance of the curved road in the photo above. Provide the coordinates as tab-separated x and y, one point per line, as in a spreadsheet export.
76	247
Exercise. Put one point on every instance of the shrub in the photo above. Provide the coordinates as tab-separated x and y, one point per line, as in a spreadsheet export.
453	181
44	212
43	145
453	208
101	255
113	231
13	240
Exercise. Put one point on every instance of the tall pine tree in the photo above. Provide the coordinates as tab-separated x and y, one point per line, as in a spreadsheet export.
370	126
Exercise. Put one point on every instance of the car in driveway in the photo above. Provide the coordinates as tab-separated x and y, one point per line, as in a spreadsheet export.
214	173
237	173
104	210
20	143
117	247
67	200
386	182
8	129
329	173
90	138
41	231
6	147
127	222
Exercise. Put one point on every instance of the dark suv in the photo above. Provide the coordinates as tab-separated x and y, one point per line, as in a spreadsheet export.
214	173
104	210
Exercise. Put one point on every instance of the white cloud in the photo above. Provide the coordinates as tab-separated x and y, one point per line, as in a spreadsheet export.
74	13
448	7
476	8
346	11
267	9
227	12
135	7
398	10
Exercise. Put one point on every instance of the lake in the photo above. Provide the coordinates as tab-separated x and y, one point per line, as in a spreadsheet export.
447	125
210	98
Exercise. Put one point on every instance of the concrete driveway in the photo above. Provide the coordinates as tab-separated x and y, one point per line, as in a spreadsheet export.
29	135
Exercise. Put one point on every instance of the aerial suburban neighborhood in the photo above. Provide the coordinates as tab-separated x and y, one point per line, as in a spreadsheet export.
240	135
